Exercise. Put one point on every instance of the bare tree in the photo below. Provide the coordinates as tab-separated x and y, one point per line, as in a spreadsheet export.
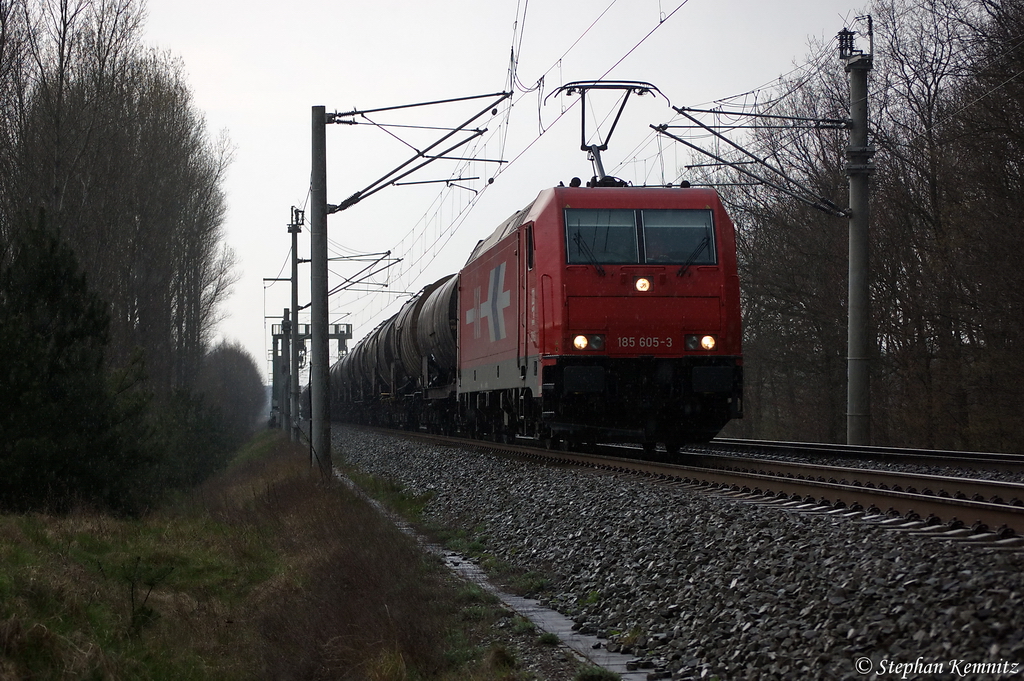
947	290
989	144
231	383
13	54
106	136
792	271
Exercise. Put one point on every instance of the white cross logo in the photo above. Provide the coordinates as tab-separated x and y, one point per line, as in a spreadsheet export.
493	308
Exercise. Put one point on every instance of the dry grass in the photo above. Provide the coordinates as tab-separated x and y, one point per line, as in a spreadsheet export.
366	598
264	573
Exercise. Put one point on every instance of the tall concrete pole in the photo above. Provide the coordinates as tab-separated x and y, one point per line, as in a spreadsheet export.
294	228
859	169
275	389
287	337
319	372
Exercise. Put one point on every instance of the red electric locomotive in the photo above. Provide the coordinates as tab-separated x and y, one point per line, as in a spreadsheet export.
594	314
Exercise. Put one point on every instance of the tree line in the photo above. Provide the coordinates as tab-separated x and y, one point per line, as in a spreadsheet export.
947	210
113	265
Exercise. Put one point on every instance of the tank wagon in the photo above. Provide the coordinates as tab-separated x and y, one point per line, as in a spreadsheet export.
593	314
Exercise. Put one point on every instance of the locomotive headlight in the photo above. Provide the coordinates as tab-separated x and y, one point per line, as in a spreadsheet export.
642	284
594	342
695	343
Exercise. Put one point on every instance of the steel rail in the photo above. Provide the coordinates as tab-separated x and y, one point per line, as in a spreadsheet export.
970	512
1011	493
998	460
785	482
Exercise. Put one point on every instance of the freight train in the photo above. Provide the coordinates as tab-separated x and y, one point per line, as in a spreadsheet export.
594	314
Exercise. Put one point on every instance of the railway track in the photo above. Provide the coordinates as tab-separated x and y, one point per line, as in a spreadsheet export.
982	510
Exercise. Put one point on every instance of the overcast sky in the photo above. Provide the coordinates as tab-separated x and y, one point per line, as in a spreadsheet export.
256	72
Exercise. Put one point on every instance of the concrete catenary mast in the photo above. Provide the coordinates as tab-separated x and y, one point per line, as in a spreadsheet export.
859	169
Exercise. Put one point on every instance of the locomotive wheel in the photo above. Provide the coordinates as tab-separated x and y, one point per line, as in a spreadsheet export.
561	444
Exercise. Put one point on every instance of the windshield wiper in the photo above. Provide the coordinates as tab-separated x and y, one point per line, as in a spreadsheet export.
585	250
693	256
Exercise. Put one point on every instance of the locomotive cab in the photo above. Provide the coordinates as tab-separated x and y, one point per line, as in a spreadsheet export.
637	331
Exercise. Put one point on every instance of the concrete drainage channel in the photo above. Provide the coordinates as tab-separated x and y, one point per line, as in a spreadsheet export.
586	647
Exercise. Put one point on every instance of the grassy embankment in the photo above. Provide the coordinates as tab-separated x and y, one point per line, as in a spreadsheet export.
263	573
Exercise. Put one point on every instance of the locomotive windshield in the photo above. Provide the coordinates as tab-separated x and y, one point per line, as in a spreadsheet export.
601	236
630	237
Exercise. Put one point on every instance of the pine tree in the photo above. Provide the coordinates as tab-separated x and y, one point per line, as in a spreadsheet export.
61	435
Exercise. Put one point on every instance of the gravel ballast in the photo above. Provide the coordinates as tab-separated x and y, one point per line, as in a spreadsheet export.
703	586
